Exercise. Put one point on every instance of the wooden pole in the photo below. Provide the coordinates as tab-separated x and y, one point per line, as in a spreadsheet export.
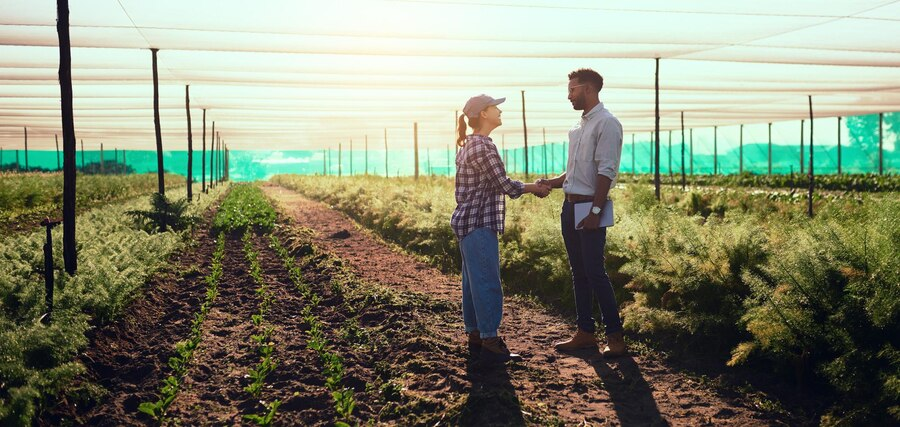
102	160
809	210
212	149
58	160
64	151
324	163
68	130
525	132
691	133
656	157
683	177
770	148
839	144
26	149
544	131
741	152
340	160
124	163
801	146
115	160
159	149
880	144
190	162
203	156
416	147
715	150
367	154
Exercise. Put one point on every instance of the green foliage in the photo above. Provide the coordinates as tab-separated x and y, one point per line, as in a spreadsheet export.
163	215
245	207
714	270
871	182
829	306
33	195
114	262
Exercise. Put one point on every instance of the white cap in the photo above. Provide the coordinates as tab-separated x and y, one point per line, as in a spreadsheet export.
477	104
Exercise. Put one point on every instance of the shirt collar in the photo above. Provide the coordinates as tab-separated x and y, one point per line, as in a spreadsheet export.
597	108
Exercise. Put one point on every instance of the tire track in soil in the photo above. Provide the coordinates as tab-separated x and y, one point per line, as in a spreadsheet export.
129	357
576	388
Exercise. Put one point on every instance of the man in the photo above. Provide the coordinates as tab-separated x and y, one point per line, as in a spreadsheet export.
595	148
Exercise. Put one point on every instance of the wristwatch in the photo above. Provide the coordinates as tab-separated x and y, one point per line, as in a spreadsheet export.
595	210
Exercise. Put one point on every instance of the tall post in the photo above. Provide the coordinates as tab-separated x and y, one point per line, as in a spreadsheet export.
880	144
58	160
102	160
770	148
26	149
115	160
544	130
715	150
385	154
68	130
525	132
324	163
809	210
416	146
203	156
350	154
691	141
839	144
212	149
656	158
801	146
124	163
190	163
340	159
64	150
632	155
683	177
367	154
741	152
159	150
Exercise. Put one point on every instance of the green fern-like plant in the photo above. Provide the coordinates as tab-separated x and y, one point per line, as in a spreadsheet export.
164	214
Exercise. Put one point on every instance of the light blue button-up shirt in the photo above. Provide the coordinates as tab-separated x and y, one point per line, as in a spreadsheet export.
595	147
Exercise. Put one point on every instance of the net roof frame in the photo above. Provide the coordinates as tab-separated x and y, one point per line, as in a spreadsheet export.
310	75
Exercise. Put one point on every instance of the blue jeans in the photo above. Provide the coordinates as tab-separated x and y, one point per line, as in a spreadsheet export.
590	281
482	295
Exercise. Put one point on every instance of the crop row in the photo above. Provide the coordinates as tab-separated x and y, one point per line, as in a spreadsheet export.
115	260
815	299
184	350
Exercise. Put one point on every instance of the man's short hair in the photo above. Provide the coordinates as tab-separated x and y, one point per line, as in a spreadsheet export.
587	75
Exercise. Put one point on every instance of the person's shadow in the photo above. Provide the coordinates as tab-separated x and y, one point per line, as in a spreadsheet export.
492	400
630	394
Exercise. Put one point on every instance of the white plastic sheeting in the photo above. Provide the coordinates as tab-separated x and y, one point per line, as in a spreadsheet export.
299	74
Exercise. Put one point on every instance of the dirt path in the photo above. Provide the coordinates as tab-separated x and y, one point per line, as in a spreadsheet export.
576	389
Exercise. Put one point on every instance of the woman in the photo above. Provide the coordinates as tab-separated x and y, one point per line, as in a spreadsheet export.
481	187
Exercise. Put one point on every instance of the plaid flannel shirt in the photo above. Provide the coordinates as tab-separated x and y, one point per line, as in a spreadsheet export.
481	184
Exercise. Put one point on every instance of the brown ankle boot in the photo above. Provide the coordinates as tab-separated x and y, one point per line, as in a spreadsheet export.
474	343
494	350
615	345
581	340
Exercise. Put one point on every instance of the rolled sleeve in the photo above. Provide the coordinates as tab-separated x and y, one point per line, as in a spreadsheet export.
492	165
609	148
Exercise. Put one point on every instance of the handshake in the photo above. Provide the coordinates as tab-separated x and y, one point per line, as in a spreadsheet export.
540	188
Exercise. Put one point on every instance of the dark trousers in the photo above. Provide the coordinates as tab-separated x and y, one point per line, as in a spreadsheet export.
590	281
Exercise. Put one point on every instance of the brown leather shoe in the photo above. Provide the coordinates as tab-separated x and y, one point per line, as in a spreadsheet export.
494	350
615	345
474	343
581	340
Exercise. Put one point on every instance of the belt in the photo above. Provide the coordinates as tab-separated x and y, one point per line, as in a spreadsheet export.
577	198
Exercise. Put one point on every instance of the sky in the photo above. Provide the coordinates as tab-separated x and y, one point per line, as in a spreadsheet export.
310	75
